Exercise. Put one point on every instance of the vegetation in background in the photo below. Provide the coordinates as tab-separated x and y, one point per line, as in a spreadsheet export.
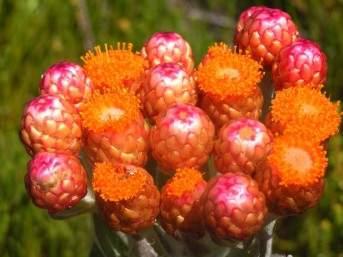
36	33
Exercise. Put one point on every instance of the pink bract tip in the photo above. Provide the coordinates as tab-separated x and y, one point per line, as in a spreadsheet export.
67	80
164	47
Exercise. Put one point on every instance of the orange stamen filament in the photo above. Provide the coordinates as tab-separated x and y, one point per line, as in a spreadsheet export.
114	67
305	111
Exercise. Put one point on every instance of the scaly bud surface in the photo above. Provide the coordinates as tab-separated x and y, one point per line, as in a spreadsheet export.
241	146
183	137
233	207
67	80
55	181
50	124
265	33
165	47
165	85
300	64
243	18
180	202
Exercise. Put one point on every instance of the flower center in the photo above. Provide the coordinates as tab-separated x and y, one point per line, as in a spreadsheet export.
111	113
228	73
298	159
309	109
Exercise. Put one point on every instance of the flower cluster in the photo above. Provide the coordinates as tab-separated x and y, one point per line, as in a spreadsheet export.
140	116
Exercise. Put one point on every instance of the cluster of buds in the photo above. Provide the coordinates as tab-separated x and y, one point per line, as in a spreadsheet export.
123	107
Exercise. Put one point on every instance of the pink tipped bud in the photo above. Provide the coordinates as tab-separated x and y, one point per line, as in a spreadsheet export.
165	85
265	33
183	137
68	80
244	17
56	181
233	207
51	124
301	63
241	146
165	47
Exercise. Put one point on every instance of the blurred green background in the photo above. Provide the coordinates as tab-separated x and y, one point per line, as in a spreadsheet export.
35	34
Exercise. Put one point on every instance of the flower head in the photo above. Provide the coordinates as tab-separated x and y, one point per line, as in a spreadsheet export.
111	110
114	67
305	111
292	177
126	196
225	72
297	162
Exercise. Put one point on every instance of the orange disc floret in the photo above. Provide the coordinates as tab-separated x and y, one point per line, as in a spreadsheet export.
108	181
306	112
184	180
225	72
297	162
114	67
110	110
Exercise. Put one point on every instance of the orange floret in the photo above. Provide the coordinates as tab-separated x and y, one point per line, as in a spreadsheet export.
111	110
184	180
114	67
307	112
118	182
225	72
297	162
